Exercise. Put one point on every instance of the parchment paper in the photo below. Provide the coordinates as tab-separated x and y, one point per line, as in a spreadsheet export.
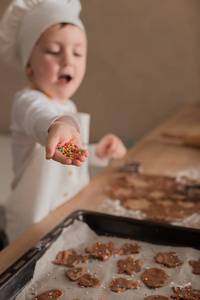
78	235
114	207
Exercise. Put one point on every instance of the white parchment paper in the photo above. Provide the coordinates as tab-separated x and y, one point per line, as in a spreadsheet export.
78	235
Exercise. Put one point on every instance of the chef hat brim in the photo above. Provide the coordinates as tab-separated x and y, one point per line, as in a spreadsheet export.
21	26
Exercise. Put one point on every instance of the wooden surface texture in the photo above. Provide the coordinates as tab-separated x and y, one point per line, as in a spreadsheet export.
158	156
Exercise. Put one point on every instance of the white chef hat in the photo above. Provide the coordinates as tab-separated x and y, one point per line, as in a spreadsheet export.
25	20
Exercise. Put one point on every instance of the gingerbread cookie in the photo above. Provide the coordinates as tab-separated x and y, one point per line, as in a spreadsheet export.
121	284
169	259
101	251
196	265
69	258
74	274
156	297
88	280
129	265
158	198
129	248
53	294
186	293
154	277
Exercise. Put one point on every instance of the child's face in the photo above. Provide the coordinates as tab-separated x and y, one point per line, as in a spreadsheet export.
58	61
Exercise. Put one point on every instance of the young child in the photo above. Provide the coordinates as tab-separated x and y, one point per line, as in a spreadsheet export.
47	40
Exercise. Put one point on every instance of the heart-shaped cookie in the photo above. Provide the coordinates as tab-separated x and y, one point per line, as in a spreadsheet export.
74	274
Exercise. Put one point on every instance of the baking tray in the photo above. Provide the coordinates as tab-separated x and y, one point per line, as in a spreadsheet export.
18	275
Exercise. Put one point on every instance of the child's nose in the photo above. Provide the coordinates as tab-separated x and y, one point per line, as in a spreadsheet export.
66	59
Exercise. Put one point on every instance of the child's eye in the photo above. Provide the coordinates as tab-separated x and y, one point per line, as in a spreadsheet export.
78	54
52	52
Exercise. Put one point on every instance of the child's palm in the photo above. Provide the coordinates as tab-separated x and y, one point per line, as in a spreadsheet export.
61	133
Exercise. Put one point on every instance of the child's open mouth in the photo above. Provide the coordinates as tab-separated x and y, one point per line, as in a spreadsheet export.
64	79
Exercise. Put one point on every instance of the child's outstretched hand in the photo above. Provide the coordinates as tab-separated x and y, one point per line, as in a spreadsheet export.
110	146
63	134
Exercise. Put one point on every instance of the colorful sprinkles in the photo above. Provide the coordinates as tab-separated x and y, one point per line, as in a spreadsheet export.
118	285
71	150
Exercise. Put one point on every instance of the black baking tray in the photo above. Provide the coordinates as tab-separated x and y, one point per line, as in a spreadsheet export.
17	276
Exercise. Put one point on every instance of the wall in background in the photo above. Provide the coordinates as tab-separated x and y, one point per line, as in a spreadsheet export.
143	64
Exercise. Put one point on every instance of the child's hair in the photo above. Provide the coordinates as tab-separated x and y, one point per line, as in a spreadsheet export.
25	20
64	24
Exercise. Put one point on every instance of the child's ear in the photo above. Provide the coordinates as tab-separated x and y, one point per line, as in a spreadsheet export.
29	70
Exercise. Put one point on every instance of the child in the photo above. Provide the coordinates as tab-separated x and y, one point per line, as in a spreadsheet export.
47	39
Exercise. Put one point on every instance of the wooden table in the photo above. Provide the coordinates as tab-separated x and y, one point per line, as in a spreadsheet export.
157	155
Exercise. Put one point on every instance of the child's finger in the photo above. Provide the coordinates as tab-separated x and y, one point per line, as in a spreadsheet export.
77	159
51	144
81	158
86	153
76	163
58	156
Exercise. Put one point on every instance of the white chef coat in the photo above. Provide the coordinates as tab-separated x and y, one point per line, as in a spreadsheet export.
41	185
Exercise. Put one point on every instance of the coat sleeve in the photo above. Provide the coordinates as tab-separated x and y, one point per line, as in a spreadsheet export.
32	115
93	158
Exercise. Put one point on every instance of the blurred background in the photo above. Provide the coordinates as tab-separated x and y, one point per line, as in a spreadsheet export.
143	65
